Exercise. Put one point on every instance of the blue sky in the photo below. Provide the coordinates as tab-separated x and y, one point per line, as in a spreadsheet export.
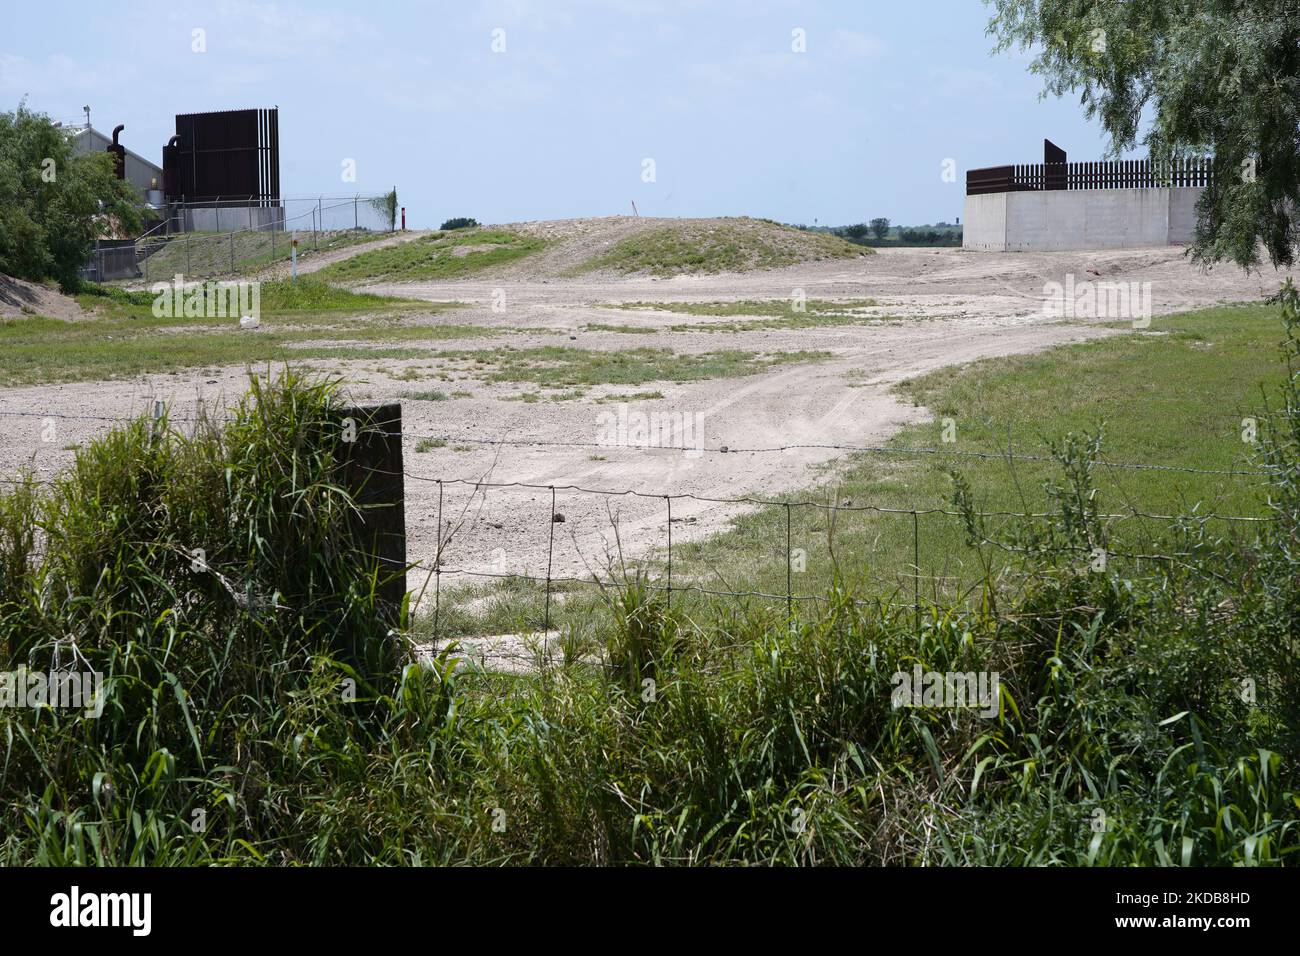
559	124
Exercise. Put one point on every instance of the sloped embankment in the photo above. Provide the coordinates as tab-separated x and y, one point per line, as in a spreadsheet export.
669	247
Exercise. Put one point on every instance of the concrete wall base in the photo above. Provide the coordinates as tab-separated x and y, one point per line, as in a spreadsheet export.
1065	219
229	218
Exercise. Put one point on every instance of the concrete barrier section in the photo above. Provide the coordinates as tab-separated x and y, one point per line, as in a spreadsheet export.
1064	219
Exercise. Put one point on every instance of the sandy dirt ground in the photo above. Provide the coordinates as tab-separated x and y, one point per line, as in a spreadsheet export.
956	306
19	298
1002	288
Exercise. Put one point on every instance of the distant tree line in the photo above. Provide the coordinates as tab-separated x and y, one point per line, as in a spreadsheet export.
929	237
880	231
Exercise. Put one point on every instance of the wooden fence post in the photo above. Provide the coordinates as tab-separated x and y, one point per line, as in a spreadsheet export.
373	474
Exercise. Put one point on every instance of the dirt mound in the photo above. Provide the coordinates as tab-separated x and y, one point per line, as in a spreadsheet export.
643	245
19	298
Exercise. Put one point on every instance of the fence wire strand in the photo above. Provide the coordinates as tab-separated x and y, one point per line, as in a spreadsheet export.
438	568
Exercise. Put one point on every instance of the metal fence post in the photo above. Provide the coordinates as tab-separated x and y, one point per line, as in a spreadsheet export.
232	253
373	475
916	571
669	499
550	552
437	567
789	584
189	268
356	218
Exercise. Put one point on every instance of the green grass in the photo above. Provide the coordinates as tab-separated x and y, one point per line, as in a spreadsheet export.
724	246
436	256
556	366
632	396
279	297
551	393
622	329
209	254
768	314
306	319
775	308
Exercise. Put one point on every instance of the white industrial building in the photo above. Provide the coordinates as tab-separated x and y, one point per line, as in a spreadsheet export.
139	172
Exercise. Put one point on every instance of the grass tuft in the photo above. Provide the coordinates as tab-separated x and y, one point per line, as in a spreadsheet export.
441	255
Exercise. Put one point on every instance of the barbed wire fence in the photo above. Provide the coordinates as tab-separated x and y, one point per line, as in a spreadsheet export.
902	451
662	564
669	585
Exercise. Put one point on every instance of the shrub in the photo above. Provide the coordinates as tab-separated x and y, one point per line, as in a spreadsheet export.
53	205
208	578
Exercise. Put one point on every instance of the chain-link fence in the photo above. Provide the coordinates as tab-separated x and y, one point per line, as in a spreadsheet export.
233	236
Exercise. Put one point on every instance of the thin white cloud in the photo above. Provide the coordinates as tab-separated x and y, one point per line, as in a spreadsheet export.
964	83
56	75
273	30
538	16
854	44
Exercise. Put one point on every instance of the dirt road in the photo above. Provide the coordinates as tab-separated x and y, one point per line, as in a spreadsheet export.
1001	288
960	307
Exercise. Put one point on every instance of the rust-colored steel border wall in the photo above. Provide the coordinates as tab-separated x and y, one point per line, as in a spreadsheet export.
220	155
1116	174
